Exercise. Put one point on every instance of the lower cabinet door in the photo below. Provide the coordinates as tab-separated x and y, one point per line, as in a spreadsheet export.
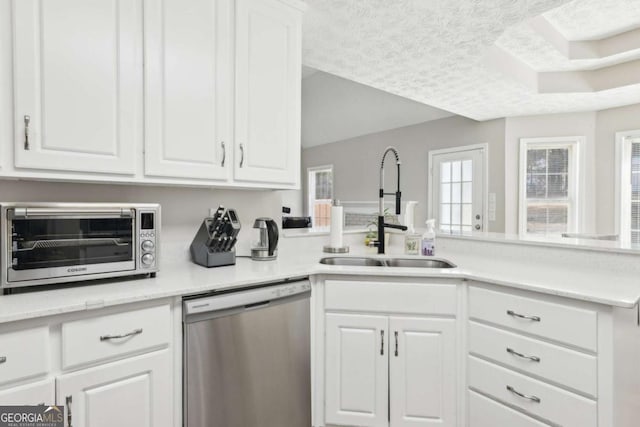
134	392
422	359
38	393
357	369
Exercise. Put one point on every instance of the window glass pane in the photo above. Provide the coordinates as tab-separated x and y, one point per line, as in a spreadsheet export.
467	170
536	161
445	193
445	172
466	192
635	191
324	185
547	218
635	185
445	214
557	186
456	171
536	186
456	192
466	214
456	214
558	160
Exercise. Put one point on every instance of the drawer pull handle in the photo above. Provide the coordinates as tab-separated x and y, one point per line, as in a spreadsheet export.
524	396
382	343
3	359
522	316
68	402
523	356
115	337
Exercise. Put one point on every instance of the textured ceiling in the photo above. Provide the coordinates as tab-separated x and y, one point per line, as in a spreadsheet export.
434	51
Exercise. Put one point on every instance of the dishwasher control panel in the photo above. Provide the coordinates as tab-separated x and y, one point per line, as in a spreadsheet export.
246	297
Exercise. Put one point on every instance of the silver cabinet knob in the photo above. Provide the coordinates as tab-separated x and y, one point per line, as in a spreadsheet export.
147	245
478	227
147	259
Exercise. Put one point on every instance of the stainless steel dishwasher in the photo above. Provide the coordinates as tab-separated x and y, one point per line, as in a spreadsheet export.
247	358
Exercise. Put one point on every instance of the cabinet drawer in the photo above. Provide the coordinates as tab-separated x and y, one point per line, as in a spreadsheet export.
40	393
562	323
557	364
101	338
556	405
411	298
24	354
484	412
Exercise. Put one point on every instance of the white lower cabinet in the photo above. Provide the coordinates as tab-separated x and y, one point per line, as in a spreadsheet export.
130	393
357	368
390	371
422	380
38	393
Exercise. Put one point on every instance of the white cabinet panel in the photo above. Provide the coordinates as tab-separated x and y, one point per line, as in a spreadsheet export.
136	392
24	354
533	396
484	412
356	370
267	123
78	76
40	393
422	372
188	88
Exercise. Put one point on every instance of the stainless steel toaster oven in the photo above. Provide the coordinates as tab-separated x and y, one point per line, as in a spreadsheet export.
48	243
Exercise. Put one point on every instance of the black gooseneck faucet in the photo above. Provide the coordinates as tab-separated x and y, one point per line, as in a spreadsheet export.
381	224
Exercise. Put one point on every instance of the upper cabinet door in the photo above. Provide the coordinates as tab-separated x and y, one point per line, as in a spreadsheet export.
78	84
423	375
267	130
188	88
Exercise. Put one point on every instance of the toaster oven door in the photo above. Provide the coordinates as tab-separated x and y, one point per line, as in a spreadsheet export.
52	244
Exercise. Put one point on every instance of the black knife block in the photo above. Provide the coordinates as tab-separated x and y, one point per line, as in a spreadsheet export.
202	252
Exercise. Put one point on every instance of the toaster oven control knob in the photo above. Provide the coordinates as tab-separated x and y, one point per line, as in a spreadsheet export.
147	245
147	259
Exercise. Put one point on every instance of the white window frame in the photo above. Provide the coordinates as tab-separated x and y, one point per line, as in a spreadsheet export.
484	148
623	185
575	178
311	192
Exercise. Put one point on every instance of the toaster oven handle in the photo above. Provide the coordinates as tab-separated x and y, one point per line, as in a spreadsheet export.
74	212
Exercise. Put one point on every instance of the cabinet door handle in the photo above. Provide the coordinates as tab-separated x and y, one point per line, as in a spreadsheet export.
27	121
115	337
3	359
224	154
241	155
524	396
395	333
68	401
523	356
382	343
522	316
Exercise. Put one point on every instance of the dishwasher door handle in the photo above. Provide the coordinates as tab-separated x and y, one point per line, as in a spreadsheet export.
256	305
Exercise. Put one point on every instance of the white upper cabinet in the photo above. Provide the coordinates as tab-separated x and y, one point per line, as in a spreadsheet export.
267	122
77	85
188	88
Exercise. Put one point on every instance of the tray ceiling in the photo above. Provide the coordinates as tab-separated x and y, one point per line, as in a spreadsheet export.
482	59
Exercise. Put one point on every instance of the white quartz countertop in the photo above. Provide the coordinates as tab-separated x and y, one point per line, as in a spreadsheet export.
179	277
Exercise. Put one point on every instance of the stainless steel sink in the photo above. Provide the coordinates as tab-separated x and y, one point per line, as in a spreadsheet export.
353	262
419	263
389	262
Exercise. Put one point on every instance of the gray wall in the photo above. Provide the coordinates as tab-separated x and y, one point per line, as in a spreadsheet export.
356	161
608	122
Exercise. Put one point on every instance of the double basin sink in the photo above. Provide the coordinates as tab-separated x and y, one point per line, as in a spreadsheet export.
388	262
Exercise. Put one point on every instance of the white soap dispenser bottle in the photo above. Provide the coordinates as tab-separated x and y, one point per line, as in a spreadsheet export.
428	246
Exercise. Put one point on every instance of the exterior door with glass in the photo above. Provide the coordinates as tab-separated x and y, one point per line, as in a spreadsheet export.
457	189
